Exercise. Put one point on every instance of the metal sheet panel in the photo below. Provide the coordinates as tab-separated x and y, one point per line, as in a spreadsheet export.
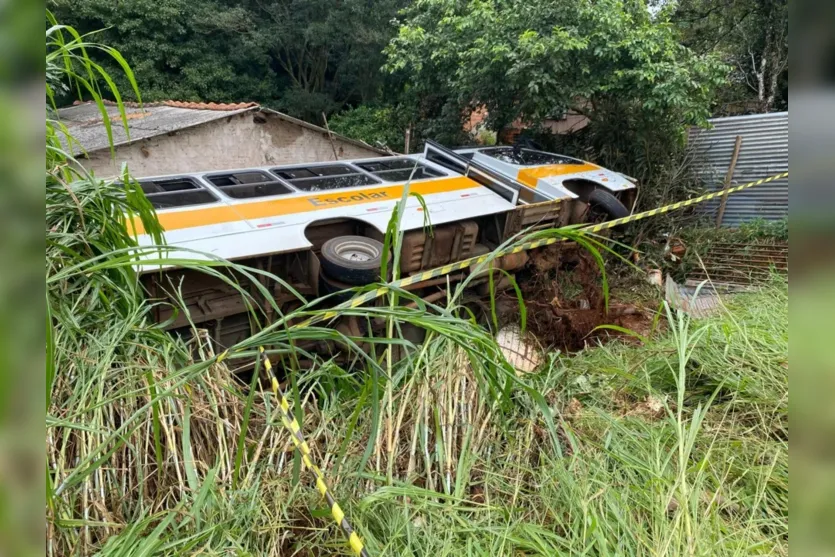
764	152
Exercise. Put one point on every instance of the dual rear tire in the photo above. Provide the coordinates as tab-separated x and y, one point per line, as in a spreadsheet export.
353	260
348	261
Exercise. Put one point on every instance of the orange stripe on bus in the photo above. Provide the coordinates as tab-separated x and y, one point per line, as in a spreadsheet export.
293	205
529	176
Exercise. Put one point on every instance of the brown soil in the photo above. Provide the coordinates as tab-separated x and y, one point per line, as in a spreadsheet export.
569	321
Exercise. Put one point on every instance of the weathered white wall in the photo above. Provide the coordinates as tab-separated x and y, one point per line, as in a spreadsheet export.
243	140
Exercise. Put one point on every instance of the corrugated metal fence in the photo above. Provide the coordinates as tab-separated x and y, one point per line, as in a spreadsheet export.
764	152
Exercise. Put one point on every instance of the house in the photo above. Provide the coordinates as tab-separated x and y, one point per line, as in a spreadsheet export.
566	123
170	137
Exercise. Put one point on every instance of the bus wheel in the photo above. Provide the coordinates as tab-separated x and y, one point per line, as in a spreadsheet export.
602	201
354	260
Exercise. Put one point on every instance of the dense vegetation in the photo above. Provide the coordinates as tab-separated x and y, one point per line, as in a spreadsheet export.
675	447
753	38
302	56
644	72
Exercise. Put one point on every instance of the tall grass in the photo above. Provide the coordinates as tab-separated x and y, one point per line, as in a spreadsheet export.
677	447
667	456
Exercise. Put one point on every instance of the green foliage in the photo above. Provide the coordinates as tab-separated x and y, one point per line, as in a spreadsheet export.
487	137
128	408
179	49
147	451
381	126
760	229
752	37
678	446
307	105
332	47
613	62
701	240
700	236
300	56
533	60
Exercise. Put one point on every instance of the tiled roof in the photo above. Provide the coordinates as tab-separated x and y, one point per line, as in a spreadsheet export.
85	122
210	106
180	104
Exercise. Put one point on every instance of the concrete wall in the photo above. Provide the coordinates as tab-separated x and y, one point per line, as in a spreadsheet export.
243	140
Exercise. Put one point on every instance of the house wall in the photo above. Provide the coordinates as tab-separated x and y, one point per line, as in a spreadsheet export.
242	140
571	123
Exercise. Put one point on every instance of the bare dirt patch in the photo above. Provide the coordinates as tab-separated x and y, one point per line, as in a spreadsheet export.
566	303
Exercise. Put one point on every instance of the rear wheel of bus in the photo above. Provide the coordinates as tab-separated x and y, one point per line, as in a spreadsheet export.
353	260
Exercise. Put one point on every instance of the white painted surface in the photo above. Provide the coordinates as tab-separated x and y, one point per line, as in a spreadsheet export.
552	186
243	239
285	232
612	181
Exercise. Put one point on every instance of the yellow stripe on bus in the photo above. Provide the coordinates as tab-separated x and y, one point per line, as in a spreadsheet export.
530	176
293	205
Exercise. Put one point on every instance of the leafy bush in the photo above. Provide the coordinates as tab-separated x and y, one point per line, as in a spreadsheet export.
376	125
386	125
182	50
760	229
306	105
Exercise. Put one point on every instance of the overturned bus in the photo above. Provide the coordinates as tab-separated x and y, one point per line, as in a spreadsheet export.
320	226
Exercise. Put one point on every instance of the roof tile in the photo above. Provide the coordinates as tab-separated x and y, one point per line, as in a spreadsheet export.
184	104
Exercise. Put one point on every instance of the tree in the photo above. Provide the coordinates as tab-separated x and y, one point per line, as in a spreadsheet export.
380	126
302	56
750	35
180	49
534	59
330	51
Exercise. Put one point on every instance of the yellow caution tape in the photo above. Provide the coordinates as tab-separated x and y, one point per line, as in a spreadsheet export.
296	435
681	204
447	269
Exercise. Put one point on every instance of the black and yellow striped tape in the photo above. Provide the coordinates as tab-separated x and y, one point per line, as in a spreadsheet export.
447	269
681	204
295	429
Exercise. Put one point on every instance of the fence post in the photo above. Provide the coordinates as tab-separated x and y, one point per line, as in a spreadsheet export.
728	178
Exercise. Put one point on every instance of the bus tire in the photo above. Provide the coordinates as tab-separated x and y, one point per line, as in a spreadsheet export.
606	202
340	290
354	260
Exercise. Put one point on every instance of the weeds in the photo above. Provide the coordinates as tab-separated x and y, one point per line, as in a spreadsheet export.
706	474
677	481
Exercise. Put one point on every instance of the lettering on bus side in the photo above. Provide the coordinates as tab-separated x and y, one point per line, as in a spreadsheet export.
355	198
